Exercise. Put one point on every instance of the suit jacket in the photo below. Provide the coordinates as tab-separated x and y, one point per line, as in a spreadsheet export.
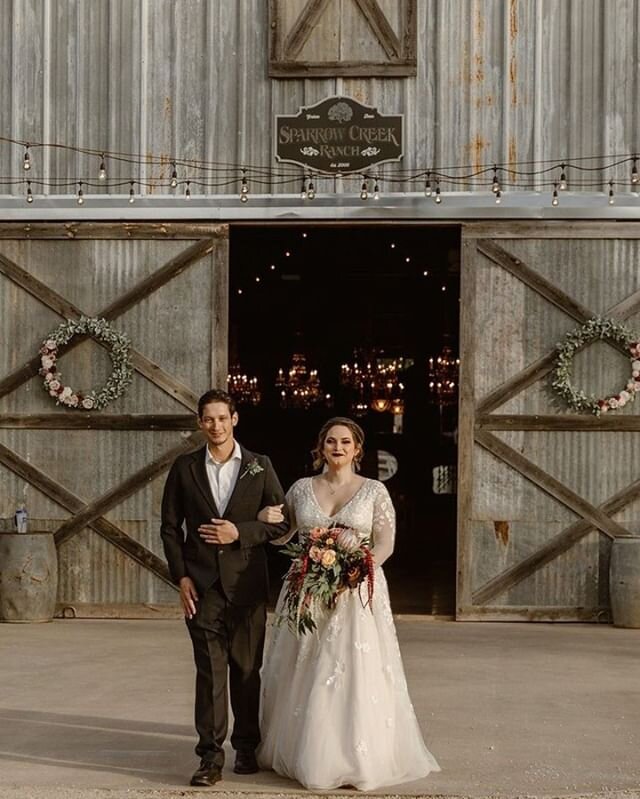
187	503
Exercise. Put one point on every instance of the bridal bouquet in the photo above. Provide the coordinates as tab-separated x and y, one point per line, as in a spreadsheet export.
327	562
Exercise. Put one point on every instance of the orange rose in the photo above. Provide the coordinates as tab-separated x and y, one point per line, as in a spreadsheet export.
328	558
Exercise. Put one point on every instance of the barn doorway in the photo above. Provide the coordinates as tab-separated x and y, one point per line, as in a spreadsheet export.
323	299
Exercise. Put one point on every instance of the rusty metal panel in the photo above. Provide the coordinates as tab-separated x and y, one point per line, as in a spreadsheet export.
497	81
511	518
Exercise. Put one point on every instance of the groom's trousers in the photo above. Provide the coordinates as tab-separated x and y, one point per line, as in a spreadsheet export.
228	642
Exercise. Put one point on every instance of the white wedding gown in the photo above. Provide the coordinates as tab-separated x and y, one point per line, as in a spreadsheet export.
335	707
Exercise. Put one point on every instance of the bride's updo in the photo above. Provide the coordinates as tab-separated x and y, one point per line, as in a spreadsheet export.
358	439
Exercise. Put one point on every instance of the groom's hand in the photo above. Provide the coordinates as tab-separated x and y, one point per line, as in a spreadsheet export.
220	531
188	597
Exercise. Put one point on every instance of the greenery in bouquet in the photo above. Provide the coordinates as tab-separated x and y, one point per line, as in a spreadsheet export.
328	561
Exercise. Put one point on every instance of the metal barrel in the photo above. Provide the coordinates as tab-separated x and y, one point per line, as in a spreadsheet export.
28	576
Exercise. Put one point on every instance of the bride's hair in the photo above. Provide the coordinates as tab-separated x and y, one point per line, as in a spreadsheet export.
358	439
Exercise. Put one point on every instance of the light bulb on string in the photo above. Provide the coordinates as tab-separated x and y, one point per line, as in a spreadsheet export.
303	189
498	197
80	195
26	163
554	196
428	188
244	188
635	178
311	191
29	193
563	178
376	188
495	185
364	189
132	197
612	197
102	172
438	196
174	176
187	191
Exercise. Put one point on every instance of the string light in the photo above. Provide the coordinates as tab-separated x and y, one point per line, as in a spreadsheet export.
428	189
187	191
174	176
498	197
438	197
311	192
244	189
102	172
303	189
495	186
29	193
376	189
132	197
563	178
80	195
612	198
554	197
26	163
364	189
635	178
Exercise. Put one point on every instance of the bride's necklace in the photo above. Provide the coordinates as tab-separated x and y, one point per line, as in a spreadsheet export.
333	491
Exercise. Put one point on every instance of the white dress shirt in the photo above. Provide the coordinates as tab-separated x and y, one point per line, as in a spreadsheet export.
223	476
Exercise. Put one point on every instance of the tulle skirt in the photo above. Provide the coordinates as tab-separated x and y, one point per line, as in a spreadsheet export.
335	707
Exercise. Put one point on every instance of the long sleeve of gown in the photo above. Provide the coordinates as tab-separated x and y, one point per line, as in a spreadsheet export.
383	530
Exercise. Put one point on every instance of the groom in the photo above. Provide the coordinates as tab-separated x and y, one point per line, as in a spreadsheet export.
214	546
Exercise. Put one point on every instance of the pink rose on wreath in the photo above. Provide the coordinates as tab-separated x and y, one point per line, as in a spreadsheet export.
51	344
47	362
328	558
613	403
54	385
87	403
67	391
48	377
315	553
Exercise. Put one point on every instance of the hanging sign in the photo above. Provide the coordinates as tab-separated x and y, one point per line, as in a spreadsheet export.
338	135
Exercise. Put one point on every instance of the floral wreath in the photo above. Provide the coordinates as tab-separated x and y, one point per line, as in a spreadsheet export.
596	328
95	399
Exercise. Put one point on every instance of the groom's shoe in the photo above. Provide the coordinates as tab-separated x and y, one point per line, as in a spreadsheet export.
207	774
246	762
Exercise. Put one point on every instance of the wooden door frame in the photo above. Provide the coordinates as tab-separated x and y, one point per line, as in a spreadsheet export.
476	420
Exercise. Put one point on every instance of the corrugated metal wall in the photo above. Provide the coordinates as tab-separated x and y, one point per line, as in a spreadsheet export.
498	80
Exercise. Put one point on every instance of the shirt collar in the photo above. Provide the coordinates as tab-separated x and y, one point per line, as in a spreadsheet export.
236	455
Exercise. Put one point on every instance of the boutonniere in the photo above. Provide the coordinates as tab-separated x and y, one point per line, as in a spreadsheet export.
252	468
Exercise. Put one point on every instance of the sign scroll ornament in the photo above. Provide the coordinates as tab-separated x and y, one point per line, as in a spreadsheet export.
337	136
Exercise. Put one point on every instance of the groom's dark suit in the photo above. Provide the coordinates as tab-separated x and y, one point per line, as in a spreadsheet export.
228	628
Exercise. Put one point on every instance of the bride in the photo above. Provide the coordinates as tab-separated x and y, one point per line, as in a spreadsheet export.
335	708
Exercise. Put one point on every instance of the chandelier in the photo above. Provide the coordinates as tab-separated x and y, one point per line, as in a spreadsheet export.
375	383
443	377
243	389
300	387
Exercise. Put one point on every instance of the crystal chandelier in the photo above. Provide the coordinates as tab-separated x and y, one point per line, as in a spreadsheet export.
375	383
300	387
243	389
443	377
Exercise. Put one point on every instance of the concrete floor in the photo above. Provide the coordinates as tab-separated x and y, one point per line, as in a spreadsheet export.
104	709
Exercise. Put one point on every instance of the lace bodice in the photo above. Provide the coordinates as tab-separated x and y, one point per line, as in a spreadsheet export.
370	512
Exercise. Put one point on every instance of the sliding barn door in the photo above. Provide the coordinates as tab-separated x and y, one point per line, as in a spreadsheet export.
95	478
543	491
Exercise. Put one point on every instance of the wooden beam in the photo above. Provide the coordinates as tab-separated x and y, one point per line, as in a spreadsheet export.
98	507
80	420
348	69
551	229
535	281
72	503
379	24
82	231
564	421
303	26
554	487
552	549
